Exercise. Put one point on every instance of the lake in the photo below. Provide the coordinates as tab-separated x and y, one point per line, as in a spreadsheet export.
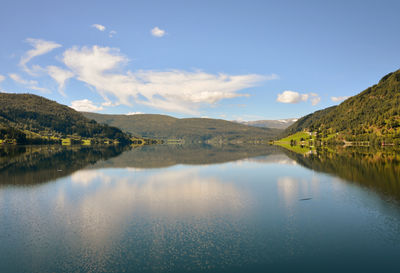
199	208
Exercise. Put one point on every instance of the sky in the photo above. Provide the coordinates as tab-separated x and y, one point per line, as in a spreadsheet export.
234	60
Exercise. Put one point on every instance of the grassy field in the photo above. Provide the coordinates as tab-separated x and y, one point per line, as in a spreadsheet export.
302	142
298	137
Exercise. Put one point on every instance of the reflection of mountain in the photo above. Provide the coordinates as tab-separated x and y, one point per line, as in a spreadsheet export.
378	170
29	165
168	155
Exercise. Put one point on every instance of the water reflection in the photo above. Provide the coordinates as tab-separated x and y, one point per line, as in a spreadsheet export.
32	165
160	217
158	156
152	209
29	165
164	193
376	169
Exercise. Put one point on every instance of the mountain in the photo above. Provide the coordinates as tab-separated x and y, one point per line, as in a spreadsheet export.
31	118
189	129
277	124
372	115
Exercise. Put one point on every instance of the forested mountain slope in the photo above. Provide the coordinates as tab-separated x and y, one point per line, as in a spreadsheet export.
190	129
25	115
372	114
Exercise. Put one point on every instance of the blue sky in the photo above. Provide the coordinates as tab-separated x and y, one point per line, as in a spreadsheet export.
221	59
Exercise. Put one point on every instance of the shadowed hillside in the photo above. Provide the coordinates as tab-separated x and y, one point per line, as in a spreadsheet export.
27	116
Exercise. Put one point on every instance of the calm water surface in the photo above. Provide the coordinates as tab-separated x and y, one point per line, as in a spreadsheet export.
198	209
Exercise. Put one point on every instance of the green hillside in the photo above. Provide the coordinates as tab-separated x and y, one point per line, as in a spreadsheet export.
28	118
189	129
373	115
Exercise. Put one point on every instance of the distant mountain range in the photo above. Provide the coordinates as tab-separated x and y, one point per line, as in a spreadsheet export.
372	115
277	124
189	129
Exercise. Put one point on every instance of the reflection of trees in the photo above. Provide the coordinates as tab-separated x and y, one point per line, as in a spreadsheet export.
157	156
29	165
377	169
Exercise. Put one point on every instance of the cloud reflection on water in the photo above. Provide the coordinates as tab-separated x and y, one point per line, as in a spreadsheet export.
152	205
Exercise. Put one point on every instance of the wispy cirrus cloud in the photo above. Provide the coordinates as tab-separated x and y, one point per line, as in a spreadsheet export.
99	27
157	32
134	113
2	78
173	90
112	33
293	97
30	84
314	98
339	99
85	105
40	47
18	79
60	76
102	68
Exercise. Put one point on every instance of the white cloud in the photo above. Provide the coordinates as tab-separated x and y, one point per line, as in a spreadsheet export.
40	47
134	113
85	106
109	103
2	78
40	89
157	32
31	84
99	27
314	98
338	99
289	96
60	76
18	79
315	101
112	33
173	90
